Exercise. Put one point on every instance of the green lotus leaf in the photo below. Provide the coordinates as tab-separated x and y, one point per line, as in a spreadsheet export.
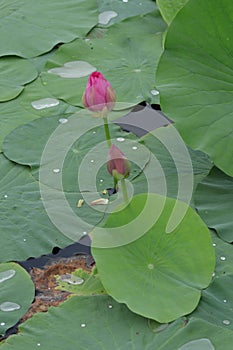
20	111
180	165
25	227
14	73
17	293
194	77
214	202
127	61
117	11
101	323
37	24
166	270
81	282
224	256
67	157
36	218
70	143
77	146
40	61
203	344
169	8
217	187
217	302
199	330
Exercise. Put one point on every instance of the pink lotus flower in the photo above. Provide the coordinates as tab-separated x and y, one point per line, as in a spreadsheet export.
99	94
117	164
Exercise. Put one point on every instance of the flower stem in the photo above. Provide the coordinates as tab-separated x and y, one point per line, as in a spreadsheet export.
108	139
107	132
115	184
124	191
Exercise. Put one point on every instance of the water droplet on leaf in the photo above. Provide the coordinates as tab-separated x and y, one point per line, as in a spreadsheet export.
6	275
154	92
71	279
120	139
56	171
226	322
9	306
74	69
223	258
45	103
106	16
63	120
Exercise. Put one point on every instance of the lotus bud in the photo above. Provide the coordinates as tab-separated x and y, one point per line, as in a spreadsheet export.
99	95
118	165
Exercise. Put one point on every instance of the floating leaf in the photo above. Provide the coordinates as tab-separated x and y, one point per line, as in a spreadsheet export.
96	326
34	36
177	165
199	344
100	322
217	302
126	54
125	9
224	257
169	8
17	293
214	202
66	157
194	77
39	61
25	227
91	284
75	141
20	110
14	73
202	332
169	270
